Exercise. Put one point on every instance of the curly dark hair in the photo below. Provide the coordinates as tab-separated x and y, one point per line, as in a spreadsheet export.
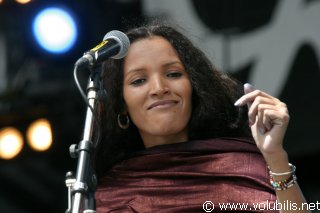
213	111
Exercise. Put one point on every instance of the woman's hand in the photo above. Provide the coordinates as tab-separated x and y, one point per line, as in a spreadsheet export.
268	119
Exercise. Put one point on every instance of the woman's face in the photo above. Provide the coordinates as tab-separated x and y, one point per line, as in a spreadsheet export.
157	91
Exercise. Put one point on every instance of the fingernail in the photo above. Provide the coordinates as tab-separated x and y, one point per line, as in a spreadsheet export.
262	130
248	86
237	103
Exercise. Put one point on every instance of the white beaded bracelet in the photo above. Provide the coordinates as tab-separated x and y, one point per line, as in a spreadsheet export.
284	183
292	167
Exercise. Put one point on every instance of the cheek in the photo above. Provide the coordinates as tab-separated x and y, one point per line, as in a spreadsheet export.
187	92
134	102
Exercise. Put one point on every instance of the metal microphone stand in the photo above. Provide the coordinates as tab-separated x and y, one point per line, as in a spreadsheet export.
81	188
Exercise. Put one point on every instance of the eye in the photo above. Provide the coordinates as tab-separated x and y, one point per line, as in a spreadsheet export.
138	82
174	74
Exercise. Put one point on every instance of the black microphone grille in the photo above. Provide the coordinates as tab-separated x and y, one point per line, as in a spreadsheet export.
123	41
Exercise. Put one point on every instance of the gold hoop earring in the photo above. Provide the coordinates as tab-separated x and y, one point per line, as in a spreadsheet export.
121	119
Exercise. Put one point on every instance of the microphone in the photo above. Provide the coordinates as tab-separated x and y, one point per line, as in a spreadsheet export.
115	45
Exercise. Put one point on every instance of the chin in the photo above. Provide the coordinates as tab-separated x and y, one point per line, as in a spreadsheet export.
166	130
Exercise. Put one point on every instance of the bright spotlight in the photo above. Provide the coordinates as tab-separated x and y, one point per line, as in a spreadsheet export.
39	135
11	143
55	30
23	1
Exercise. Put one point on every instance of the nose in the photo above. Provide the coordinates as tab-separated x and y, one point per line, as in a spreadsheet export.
159	86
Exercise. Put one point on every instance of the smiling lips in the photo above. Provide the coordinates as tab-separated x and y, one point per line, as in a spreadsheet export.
163	104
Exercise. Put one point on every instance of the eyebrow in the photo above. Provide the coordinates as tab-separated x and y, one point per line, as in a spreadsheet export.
164	65
173	63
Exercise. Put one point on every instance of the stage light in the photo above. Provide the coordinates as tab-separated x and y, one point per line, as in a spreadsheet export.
11	142
23	1
55	30
39	135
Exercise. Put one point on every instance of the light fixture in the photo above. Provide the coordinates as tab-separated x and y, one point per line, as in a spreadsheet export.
11	142
39	135
55	30
23	1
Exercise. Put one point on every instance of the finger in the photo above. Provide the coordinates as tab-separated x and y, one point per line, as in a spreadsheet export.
263	121
270	115
266	120
253	110
247	89
260	116
278	117
249	97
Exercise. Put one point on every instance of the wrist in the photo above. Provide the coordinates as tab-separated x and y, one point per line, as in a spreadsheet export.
283	180
277	162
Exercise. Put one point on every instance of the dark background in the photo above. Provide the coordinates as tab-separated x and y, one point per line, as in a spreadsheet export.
42	85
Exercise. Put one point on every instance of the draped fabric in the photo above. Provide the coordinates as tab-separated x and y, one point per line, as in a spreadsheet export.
181	177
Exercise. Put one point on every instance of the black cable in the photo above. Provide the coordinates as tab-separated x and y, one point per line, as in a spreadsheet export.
85	98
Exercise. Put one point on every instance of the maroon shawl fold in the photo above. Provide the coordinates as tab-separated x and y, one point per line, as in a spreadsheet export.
229	172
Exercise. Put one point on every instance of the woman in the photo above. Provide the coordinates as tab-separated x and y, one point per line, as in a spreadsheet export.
179	136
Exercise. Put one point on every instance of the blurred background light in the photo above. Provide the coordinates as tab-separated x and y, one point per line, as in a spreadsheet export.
55	30
39	135
11	142
23	1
